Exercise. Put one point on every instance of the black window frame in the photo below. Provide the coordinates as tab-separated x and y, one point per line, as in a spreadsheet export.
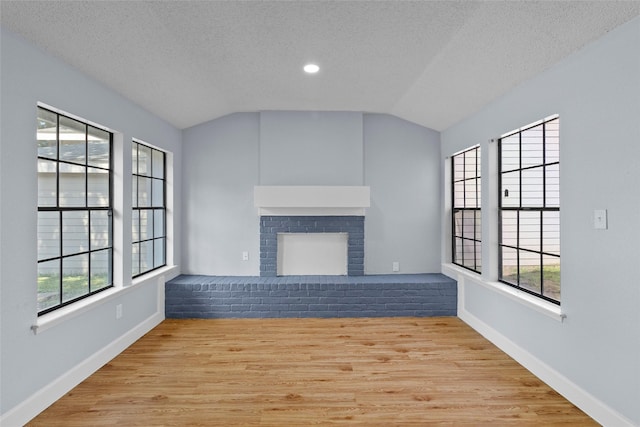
519	282
151	210
471	213
61	210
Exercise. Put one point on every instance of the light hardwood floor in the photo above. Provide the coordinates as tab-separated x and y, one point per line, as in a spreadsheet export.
299	372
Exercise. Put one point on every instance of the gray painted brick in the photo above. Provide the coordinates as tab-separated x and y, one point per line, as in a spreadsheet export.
311	296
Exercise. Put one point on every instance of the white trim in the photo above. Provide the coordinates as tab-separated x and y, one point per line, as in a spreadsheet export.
592	406
43	398
311	211
538	304
64	314
314	199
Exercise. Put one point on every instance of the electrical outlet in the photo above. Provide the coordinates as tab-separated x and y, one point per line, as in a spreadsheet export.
396	266
600	219
245	256
119	311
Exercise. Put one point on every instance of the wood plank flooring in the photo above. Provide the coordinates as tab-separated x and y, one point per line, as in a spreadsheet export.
300	372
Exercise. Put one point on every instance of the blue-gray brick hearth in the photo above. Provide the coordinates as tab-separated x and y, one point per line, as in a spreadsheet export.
421	295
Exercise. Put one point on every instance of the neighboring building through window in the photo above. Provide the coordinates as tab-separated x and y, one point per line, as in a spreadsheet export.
149	212
529	185
467	216
75	249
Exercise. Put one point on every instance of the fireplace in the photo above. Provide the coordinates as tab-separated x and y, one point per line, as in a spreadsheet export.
314	218
272	225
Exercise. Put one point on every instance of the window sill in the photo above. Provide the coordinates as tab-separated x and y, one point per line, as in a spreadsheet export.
63	314
541	306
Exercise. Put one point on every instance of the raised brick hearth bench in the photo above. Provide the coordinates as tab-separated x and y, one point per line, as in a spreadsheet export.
422	295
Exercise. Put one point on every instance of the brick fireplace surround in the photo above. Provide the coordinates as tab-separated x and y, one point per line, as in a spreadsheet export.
270	226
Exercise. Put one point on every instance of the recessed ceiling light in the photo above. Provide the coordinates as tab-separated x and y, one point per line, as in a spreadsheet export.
311	68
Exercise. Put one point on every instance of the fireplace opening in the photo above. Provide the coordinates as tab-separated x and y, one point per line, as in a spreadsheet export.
312	254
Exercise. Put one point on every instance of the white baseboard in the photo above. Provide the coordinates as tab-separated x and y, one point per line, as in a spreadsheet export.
42	399
593	407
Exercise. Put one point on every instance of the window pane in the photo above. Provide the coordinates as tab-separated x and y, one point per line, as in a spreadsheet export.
158	253
100	269
471	194
551	277
158	164
48	284
134	192
135	259
47	134
510	153
509	271
478	225
531	147
458	168
146	224
144	160
48	235
458	195
75	276
47	190
98	142
134	158
552	188
98	187
510	192
552	141
457	223
72	140
468	253
510	228
144	192
158	223
478	256
532	188
551	232
135	226
146	256
530	274
530	230
458	250
75	232
468	224
157	186
100	227
72	185
470	164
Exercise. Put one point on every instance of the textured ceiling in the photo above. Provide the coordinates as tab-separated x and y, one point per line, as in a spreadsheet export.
430	62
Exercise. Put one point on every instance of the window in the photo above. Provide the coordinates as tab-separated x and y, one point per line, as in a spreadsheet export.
75	249
467	219
149	212
529	239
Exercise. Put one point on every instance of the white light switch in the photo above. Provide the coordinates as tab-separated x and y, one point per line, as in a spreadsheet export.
245	256
600	219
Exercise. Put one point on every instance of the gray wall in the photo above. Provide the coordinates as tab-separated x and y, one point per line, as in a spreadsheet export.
220	168
31	362
596	92
403	223
310	148
225	158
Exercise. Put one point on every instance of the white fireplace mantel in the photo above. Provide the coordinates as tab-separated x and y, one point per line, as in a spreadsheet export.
311	200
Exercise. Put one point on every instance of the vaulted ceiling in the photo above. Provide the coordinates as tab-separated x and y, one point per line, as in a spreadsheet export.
430	62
